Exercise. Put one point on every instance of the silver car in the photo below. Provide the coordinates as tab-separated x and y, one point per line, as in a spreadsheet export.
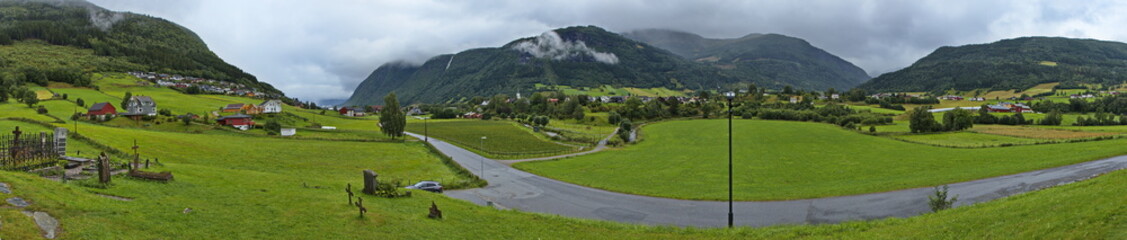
427	186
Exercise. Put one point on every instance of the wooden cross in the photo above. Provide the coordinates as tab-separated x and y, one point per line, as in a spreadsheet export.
360	204
17	132
350	194
136	157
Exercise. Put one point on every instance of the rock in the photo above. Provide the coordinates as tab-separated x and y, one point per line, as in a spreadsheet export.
187	210
4	188
46	223
18	202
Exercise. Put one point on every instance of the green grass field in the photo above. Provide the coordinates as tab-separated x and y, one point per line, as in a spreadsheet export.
290	188
778	160
504	140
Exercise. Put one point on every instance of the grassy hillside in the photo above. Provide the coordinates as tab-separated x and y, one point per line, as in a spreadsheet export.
109	41
776	160
1018	63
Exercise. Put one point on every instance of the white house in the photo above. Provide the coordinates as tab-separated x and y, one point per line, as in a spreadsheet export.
271	106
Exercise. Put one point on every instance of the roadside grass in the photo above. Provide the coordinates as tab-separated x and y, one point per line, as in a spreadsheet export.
504	140
778	160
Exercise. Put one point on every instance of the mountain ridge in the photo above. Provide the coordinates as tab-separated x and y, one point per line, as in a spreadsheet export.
1016	63
580	56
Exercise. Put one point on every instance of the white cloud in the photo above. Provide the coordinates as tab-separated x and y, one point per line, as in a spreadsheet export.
323	49
550	45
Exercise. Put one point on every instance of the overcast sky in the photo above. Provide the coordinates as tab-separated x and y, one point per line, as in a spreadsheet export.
322	49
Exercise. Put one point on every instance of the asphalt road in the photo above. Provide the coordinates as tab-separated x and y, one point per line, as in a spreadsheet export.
514	189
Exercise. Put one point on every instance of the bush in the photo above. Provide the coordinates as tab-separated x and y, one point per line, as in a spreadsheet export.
939	201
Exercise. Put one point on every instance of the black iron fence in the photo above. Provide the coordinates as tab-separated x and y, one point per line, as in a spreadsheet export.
27	151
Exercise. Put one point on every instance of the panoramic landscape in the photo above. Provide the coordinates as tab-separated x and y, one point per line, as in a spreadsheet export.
210	119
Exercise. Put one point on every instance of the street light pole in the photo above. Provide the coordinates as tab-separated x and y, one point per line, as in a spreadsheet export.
730	96
426	137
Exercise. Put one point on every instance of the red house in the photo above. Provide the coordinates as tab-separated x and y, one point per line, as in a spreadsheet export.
101	110
240	121
345	111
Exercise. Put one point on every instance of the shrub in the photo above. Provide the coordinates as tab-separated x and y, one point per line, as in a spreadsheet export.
939	201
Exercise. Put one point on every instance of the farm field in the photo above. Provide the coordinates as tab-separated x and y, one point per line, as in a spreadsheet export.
966	139
243	187
504	140
794	160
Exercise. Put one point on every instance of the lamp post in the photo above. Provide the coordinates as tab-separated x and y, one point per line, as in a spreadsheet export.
426	137
730	96
481	145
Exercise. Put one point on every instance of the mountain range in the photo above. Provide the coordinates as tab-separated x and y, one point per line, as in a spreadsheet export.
1018	63
590	56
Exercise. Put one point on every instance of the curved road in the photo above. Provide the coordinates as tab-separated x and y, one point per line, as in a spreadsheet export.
515	189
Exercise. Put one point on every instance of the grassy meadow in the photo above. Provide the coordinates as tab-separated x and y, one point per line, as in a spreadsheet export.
778	160
504	140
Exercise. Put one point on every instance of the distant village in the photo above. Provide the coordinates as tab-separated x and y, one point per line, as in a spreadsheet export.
205	85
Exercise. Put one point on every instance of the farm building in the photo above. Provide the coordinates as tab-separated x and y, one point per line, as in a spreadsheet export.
271	106
251	109
1009	107
240	121
234	107
346	111
100	110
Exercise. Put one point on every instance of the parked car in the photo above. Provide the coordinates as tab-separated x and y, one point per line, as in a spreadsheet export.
427	186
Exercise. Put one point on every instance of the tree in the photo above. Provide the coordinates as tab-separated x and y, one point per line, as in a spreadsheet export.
30	98
624	130
957	119
984	116
613	117
939	200
921	121
187	120
392	118
272	126
80	102
125	101
1054	118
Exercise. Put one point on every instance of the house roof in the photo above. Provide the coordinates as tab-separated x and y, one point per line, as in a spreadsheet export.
234	116
270	101
145	100
99	106
234	106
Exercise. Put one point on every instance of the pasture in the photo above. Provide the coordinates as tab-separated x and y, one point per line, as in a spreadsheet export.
504	140
777	160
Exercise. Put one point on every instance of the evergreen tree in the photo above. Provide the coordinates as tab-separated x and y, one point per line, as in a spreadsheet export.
392	118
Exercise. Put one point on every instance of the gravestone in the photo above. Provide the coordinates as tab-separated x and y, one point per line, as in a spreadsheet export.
104	168
434	212
370	182
61	141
